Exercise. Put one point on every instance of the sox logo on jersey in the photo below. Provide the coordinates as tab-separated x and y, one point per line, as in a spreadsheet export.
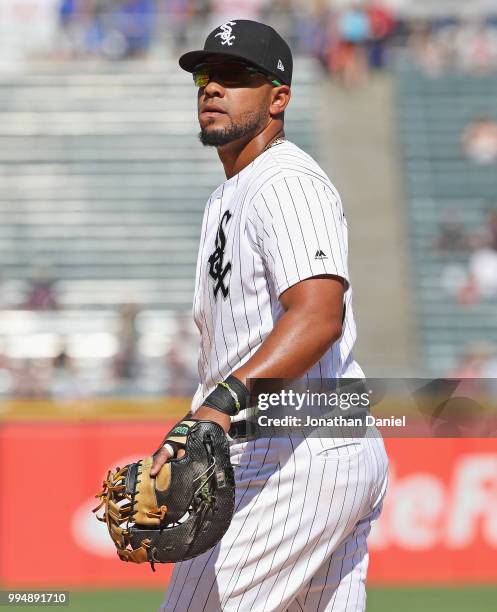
217	269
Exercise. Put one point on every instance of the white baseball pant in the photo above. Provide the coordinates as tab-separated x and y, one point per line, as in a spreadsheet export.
297	541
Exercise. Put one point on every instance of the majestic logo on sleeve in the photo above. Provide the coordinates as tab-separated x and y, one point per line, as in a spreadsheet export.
226	34
217	270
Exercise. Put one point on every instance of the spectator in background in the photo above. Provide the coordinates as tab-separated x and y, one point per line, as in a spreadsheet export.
483	270
222	11
477	370
4	298
82	27
71	28
175	16
126	359
479	360
31	378
476	47
381	26
99	28
481	279
351	62
452	238
491	228
41	292
317	34
296	22
134	20
477	280
479	141
181	360
426	51
64	382
452	235
6	379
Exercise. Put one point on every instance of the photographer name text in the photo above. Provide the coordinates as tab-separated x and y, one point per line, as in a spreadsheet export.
335	421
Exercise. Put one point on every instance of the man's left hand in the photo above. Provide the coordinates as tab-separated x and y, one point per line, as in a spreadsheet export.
203	413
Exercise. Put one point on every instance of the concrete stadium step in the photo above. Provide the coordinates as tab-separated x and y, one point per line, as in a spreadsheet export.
109	168
22	99
120	183
63	322
25	149
450	166
90	269
31	188
178	205
32	124
99	231
107	294
49	245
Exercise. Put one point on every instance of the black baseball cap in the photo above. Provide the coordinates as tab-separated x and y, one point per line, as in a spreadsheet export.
257	43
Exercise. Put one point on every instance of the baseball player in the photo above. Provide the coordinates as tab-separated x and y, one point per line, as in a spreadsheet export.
273	300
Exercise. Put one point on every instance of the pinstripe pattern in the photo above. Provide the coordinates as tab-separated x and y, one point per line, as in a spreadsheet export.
298	539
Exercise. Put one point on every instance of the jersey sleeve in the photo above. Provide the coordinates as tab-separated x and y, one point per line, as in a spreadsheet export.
300	231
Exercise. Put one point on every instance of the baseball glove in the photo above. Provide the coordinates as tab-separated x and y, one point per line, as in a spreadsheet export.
184	510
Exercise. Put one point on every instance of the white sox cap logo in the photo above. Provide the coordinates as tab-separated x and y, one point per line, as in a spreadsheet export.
226	34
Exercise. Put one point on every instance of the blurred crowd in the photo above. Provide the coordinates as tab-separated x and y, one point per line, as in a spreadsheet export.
469	277
47	358
474	280
115	29
348	38
452	44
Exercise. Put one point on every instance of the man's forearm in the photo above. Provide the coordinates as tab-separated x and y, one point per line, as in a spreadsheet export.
296	343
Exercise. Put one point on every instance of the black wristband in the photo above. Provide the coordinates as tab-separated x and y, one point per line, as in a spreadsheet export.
230	396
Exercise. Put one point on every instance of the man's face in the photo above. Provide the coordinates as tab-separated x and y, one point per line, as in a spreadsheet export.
234	104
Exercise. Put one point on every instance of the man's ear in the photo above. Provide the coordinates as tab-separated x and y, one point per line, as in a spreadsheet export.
280	97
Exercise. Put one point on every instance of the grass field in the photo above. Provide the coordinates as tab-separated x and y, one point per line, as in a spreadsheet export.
480	599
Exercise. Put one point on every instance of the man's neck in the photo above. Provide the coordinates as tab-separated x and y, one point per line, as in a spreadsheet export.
237	155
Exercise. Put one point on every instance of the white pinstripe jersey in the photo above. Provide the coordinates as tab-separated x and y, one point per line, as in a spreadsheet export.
277	222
